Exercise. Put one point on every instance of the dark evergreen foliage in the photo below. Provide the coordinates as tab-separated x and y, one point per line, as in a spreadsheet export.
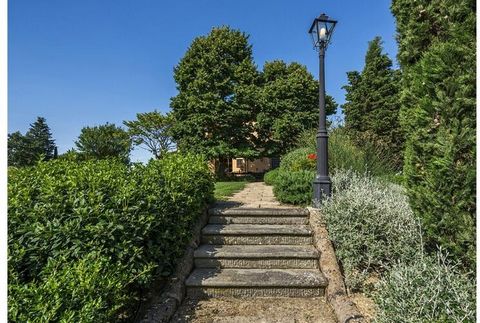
372	108
437	55
36	144
17	149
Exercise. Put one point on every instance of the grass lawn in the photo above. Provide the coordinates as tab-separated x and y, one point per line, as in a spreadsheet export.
226	189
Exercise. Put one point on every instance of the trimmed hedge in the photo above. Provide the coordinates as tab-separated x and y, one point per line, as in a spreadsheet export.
297	160
85	238
271	177
294	187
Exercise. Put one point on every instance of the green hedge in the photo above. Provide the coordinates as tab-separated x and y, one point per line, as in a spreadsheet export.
298	160
271	177
294	187
85	238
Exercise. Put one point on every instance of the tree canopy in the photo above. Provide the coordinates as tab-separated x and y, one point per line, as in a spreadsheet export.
226	108
287	105
152	131
104	141
216	82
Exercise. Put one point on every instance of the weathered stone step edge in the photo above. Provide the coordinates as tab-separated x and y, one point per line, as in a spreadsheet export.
244	292
216	219
256	229
273	278
256	251
257	239
259	211
257	263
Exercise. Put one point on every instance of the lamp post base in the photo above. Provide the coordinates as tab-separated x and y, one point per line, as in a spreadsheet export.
321	190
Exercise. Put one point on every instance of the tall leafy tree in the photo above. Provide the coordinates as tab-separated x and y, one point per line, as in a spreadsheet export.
152	130
37	143
216	83
17	149
104	141
287	105
437	55
372	109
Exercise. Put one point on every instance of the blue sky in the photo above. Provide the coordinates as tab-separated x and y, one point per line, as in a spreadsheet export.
85	63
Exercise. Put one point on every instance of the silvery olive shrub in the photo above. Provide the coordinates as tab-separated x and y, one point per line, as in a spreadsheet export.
371	226
429	289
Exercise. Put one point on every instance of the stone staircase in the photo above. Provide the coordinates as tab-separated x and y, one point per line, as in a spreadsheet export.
256	252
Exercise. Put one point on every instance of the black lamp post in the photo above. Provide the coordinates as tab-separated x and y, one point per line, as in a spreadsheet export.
321	32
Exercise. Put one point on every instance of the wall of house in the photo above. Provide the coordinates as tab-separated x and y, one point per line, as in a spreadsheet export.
242	165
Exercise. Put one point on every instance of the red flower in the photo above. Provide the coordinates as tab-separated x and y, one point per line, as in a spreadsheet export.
312	156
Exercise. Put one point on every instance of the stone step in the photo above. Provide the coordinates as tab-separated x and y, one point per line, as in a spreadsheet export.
256	234
256	256
244	211
209	282
235	219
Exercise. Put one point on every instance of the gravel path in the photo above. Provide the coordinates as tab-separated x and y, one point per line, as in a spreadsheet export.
235	310
256	194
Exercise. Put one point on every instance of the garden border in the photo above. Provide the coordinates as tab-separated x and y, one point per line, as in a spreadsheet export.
162	307
345	309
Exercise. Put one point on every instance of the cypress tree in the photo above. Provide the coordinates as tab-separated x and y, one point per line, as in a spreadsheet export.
372	109
437	55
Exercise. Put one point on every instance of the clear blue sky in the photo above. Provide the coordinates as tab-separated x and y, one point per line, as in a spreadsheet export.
85	63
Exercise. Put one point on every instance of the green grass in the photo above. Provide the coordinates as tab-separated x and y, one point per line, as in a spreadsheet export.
226	189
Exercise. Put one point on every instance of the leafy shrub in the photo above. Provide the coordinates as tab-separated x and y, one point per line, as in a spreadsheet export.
298	160
294	187
371	226
270	177
90	289
342	154
427	290
85	237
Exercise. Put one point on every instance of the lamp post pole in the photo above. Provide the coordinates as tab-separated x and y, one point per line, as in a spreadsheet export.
321	183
